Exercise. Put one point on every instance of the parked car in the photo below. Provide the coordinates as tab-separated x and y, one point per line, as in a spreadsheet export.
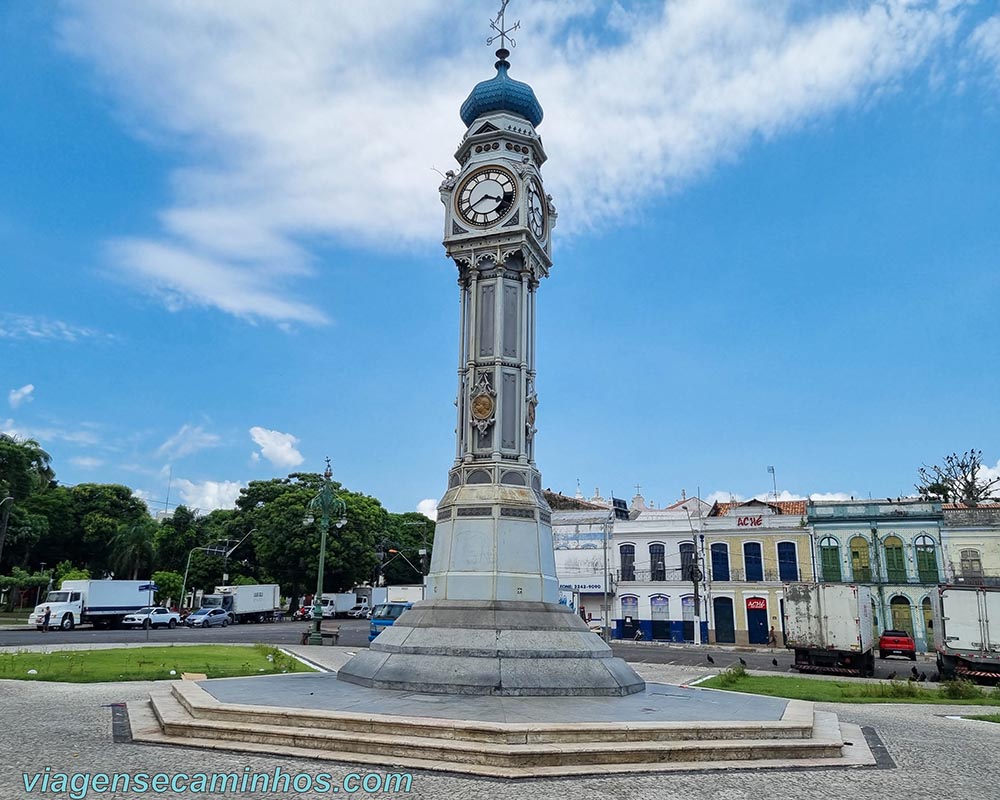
207	618
153	617
897	643
359	611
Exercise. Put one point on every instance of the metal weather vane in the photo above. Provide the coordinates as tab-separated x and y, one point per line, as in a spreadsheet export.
502	31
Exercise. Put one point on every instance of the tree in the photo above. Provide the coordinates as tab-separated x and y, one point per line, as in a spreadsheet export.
24	466
409	533
958	480
75	575
174	539
168	586
133	547
99	510
287	546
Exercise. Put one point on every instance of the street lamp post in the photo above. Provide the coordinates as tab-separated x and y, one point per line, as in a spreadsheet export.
328	504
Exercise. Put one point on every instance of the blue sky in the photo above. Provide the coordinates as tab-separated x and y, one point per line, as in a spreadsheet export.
777	242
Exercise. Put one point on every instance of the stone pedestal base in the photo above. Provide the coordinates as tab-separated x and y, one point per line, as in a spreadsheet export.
491	648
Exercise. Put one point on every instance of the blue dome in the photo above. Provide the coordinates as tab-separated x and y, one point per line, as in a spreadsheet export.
501	93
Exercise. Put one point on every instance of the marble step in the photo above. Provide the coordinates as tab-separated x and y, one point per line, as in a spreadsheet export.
177	724
797	723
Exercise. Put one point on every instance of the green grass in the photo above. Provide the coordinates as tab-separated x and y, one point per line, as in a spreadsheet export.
986	717
822	691
146	663
14	617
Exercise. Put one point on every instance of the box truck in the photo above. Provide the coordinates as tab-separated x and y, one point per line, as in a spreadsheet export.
830	628
255	603
338	604
967	632
100	603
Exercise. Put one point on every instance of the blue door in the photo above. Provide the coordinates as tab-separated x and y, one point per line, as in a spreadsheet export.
757	629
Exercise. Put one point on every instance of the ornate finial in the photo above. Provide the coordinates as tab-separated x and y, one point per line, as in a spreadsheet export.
502	31
329	470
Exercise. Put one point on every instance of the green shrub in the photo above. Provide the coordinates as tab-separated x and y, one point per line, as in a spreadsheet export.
733	675
960	689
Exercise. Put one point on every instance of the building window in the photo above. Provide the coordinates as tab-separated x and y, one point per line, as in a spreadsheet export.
630	607
895	561
657	563
972	566
687	560
753	561
860	564
627	555
720	562
927	566
659	607
788	562
829	556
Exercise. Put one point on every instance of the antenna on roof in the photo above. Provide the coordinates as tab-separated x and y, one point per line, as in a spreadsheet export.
774	483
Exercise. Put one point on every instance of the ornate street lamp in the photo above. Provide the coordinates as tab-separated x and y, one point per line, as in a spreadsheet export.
329	505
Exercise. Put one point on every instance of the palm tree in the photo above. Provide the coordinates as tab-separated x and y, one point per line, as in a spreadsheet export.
132	547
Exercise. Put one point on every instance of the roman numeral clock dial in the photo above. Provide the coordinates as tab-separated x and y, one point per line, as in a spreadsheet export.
487	196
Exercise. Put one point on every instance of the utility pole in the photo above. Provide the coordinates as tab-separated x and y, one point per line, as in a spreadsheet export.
696	576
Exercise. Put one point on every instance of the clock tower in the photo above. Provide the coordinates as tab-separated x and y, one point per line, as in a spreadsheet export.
491	622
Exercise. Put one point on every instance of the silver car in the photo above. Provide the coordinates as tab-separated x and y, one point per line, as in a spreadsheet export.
207	618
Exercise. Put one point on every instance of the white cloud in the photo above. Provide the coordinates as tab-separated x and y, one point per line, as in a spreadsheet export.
86	462
81	435
208	495
820	496
783	496
19	326
294	126
985	42
724	497
17	396
277	447
428	508
189	439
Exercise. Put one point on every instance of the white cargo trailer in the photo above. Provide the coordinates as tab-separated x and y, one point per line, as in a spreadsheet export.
101	603
409	593
967	632
830	627
254	603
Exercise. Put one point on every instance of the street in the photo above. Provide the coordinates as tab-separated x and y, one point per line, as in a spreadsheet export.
354	633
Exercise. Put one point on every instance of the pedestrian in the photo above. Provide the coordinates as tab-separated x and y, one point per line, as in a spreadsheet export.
45	620
772	638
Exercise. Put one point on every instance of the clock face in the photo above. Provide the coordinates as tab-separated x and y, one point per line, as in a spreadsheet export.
536	210
487	196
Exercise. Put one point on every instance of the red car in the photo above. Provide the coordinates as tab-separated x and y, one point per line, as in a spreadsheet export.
897	643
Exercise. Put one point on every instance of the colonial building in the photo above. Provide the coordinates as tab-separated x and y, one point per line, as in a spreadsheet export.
971	540
581	530
893	546
654	554
753	549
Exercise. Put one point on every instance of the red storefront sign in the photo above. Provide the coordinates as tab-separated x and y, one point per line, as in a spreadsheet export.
756	604
750	522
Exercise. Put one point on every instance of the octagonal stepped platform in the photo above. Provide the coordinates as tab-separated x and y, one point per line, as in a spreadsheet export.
188	714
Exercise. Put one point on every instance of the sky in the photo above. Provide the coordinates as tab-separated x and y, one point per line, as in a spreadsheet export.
777	244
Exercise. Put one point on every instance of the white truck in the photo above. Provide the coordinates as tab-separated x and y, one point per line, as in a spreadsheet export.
338	604
830	627
101	603
967	632
411	593
254	603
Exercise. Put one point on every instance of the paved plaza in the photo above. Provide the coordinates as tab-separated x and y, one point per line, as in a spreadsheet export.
68	727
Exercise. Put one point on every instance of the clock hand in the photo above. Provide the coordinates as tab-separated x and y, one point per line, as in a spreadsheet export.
485	197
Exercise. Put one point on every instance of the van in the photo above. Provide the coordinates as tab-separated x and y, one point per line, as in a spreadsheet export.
383	615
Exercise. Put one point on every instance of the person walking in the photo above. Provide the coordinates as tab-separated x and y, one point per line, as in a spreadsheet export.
772	638
45	620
